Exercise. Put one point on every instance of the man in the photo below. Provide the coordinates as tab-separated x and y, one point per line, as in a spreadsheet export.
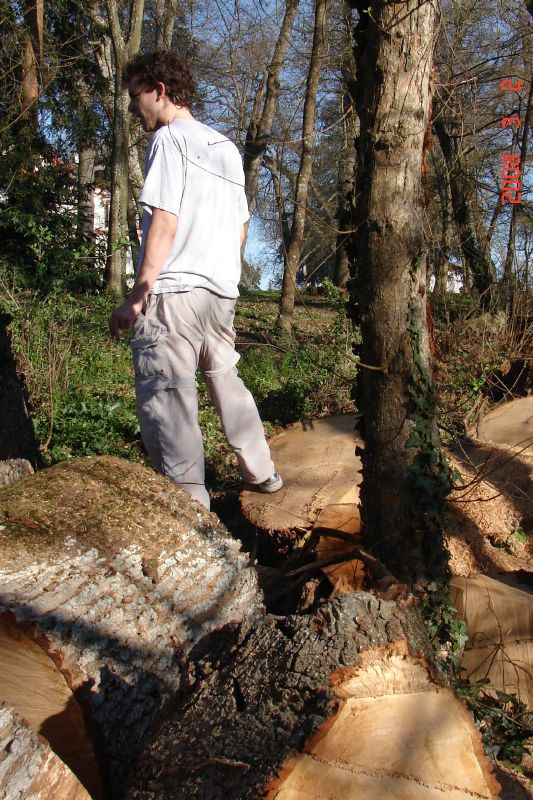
181	307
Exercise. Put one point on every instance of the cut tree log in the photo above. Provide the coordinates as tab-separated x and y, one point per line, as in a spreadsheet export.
32	683
499	619
116	574
343	703
17	437
509	423
396	735
316	459
341	518
29	769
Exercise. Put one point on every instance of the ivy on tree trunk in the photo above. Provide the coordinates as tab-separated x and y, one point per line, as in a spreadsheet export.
405	477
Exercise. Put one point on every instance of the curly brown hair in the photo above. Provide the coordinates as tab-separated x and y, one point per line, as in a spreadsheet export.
165	67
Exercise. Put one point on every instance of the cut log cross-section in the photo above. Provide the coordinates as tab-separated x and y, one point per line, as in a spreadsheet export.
317	461
396	735
499	618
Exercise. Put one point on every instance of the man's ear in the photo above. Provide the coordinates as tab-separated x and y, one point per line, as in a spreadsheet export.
161	89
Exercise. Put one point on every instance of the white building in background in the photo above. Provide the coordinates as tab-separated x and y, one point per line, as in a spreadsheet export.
456	281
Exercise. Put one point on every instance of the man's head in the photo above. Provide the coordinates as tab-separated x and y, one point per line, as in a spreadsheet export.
153	79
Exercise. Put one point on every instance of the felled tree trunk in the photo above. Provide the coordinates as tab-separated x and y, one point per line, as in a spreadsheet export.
30	769
154	619
344	703
17	437
116	574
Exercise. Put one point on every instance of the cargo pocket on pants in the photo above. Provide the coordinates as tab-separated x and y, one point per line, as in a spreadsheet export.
150	359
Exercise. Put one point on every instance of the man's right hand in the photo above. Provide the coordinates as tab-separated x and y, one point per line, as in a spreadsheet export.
123	317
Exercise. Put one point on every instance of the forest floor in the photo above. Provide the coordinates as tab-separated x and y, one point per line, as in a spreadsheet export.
491	514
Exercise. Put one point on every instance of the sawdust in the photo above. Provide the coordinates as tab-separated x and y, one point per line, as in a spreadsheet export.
491	513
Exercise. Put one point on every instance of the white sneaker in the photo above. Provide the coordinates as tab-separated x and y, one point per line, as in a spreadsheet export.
271	485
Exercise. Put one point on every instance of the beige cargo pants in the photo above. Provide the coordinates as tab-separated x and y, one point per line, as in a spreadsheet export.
177	333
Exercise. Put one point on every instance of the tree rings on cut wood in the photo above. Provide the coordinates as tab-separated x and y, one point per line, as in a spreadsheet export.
316	459
499	618
396	735
343	518
116	574
32	684
29	768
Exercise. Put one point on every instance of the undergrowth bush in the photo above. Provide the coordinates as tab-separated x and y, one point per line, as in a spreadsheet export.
474	350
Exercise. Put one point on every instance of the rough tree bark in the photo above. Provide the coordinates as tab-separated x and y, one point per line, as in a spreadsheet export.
260	127
260	694
31	58
29	768
17	437
404	473
124	47
292	258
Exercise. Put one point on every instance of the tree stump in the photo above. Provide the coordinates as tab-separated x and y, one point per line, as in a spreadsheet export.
316	459
116	574
265	698
499	618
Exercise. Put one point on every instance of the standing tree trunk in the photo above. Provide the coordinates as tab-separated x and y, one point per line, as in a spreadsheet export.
17	437
346	174
347	160
86	165
441	249
272	163
31	58
404	474
304	174
260	127
476	257
124	49
166	12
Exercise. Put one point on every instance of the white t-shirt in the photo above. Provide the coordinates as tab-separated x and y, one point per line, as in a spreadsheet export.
196	173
